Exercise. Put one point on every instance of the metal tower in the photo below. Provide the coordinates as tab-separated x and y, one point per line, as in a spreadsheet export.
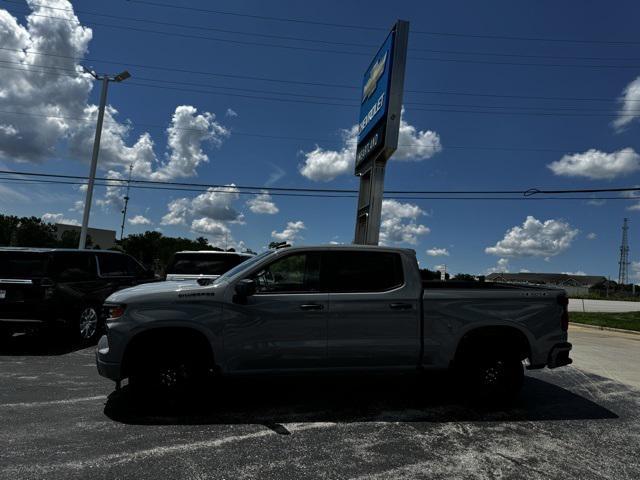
126	203
623	273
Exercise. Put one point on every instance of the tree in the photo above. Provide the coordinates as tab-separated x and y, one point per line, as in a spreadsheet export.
27	232
278	245
8	228
71	238
464	277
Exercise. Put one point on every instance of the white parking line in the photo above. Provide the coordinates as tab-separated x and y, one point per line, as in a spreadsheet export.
52	402
109	461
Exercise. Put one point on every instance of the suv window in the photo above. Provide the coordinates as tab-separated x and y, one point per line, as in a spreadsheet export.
15	264
134	268
293	273
113	265
74	267
363	271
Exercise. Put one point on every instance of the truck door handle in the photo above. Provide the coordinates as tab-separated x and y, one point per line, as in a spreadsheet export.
311	306
400	306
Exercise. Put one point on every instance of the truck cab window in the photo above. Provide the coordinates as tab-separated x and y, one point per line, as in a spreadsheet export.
293	273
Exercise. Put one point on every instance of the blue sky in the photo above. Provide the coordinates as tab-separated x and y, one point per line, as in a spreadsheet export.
446	150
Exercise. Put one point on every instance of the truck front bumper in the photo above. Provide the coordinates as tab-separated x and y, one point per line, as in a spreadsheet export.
559	355
107	369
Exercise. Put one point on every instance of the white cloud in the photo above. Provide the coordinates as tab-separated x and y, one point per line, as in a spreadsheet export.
325	165
231	113
630	105
114	194
178	211
596	202
399	223
262	204
591	236
635	271
58	218
78	206
216	204
275	175
597	165
535	238
579	273
46	86
290	233
438	252
502	266
524	270
140	220
187	132
9	195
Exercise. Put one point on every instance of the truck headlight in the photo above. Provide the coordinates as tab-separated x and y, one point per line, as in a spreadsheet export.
113	312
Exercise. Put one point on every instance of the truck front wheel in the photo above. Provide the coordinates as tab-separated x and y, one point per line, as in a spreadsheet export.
167	378
492	377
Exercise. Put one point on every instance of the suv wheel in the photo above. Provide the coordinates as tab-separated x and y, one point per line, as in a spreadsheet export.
87	327
494	377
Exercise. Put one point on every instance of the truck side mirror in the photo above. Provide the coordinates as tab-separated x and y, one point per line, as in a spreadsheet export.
244	288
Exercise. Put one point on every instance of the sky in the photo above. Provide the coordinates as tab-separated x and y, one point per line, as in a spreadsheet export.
499	95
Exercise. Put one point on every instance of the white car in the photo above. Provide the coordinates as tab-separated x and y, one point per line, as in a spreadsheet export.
209	264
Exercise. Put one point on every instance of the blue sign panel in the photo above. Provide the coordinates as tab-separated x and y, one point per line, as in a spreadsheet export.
375	89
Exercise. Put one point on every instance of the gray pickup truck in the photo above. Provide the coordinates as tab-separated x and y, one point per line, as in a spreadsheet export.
331	309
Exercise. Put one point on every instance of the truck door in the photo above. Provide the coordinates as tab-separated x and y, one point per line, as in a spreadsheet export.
283	326
373	317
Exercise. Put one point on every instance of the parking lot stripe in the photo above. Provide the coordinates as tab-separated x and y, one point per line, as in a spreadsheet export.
52	402
108	461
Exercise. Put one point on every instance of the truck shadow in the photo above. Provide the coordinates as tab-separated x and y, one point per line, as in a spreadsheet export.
38	344
277	401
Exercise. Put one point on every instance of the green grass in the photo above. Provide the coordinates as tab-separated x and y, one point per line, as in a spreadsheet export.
627	320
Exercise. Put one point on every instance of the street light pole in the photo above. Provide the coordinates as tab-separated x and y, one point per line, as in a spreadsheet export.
96	149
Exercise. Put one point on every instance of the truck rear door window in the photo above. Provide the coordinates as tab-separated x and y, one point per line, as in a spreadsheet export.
351	271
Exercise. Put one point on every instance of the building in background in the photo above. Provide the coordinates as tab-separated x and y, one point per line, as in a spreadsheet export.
100	238
574	284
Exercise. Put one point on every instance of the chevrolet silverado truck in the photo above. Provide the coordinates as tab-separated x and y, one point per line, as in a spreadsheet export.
328	309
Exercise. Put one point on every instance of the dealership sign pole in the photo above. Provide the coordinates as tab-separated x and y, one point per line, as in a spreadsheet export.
378	129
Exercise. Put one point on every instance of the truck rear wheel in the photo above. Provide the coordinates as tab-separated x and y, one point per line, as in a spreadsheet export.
493	377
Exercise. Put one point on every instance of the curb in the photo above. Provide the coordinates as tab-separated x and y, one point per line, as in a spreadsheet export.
610	329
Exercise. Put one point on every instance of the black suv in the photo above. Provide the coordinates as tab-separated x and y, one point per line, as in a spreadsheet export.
62	288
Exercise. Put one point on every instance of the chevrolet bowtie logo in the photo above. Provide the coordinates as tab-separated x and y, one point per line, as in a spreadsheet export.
374	76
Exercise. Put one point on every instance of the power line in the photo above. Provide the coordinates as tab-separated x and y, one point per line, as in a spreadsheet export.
20	181
355	105
341	52
299	82
284	137
304	39
526	193
361	27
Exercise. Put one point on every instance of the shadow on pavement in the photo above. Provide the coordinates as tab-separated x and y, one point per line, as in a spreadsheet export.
275	401
38	344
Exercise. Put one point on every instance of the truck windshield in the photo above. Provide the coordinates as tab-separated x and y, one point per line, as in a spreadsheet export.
203	263
22	265
244	265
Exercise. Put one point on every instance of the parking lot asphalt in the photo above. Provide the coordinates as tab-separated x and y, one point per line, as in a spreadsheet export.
59	419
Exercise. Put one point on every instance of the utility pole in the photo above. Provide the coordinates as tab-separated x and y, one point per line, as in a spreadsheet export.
623	271
96	147
126	203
